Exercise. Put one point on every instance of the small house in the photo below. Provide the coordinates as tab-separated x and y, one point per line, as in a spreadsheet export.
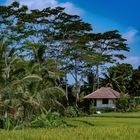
104	97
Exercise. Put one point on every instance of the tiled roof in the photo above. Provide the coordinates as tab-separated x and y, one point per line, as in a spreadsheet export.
103	93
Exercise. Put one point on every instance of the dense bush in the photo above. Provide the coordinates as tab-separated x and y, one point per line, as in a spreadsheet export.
125	104
92	108
81	113
9	123
48	120
137	100
106	109
137	108
71	111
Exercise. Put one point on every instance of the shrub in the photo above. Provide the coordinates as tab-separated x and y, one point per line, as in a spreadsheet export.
71	111
81	113
92	108
48	120
8	122
106	109
126	104
137	100
137	108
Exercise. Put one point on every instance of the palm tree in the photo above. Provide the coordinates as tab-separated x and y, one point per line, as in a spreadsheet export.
26	87
111	80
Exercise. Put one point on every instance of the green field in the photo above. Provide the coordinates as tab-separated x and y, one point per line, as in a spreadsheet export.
114	126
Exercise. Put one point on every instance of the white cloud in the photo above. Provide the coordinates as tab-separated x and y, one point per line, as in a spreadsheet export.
132	60
71	8
40	4
130	35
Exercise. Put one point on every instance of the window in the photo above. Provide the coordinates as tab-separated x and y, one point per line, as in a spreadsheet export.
104	101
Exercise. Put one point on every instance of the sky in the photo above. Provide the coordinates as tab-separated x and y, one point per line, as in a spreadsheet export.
104	15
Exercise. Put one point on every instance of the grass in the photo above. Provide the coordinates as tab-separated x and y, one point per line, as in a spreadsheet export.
119	115
102	127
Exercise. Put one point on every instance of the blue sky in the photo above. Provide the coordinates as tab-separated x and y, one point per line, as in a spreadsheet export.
104	15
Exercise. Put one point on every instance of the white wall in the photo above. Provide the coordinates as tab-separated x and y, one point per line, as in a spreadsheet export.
100	105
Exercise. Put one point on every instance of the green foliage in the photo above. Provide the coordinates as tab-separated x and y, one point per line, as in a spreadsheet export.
106	110
122	104
71	111
48	120
105	128
81	113
8	124
125	104
92	108
23	86
134	89
137	100
137	108
118	78
38	49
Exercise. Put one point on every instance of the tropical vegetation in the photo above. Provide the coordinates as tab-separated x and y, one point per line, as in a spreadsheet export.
40	50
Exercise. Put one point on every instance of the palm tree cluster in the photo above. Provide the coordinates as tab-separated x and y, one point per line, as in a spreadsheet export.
26	88
123	78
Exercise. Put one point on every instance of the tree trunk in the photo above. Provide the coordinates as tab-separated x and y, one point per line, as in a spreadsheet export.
97	76
77	88
77	92
93	82
66	90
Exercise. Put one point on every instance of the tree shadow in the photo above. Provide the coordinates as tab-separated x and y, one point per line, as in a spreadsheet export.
85	122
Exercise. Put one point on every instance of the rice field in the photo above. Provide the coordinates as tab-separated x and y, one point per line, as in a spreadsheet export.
96	127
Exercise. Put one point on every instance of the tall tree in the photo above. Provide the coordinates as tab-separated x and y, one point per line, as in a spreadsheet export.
109	44
134	89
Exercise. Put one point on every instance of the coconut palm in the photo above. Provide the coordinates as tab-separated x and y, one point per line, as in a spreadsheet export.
26	87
